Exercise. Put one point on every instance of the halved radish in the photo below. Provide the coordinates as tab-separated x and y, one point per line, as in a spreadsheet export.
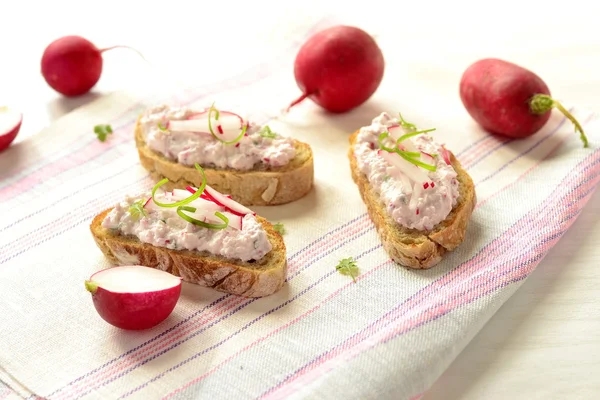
10	124
134	297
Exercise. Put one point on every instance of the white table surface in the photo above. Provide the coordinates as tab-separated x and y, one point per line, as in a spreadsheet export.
545	341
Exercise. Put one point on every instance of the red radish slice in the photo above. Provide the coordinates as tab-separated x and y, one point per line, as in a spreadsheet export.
232	205
416	195
413	172
235	221
10	124
427	159
396	132
204	114
134	297
398	175
228	127
446	155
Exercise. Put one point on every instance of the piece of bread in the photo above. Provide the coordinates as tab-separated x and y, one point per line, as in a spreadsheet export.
410	247
257	187
257	279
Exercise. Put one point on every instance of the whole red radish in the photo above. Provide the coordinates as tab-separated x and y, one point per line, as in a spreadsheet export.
338	68
72	65
10	124
134	297
509	100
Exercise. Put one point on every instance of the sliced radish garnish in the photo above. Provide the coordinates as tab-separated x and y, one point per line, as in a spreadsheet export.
230	204
235	221
398	175
228	126
414	173
204	114
396	132
133	296
427	158
10	124
446	155
416	195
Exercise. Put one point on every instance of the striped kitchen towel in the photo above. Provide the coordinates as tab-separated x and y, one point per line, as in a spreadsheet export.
390	334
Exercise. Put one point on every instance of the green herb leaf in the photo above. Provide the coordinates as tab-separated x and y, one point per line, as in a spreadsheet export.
137	209
267	132
348	267
279	228
102	131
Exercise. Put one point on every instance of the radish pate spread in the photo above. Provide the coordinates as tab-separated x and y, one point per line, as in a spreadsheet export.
414	197
163	227
189	147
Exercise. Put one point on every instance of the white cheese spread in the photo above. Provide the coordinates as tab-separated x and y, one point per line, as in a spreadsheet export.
186	147
413	203
163	227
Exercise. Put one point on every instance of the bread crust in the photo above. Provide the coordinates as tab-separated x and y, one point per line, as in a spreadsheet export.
410	247
259	279
257	187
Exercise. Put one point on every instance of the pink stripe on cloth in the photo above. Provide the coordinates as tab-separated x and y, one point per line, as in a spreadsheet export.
94	380
500	278
74	159
365	216
500	190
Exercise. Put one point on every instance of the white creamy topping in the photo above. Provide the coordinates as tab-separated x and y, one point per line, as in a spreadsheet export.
413	204
164	228
188	148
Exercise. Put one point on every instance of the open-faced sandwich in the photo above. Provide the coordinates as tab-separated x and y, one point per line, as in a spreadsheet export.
416	192
197	233
255	165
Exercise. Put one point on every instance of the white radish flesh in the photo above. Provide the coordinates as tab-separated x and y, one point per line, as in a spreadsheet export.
228	202
414	173
134	279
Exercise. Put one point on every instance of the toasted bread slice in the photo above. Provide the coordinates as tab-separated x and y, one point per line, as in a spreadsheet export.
258	279
258	187
410	247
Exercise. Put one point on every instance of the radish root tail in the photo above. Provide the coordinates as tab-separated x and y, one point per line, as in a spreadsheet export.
125	47
297	101
542	103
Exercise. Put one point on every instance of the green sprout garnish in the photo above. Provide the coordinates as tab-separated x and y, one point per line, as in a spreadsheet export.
102	131
279	228
180	212
162	127
137	209
267	132
410	156
212	132
348	267
184	201
407	125
409	135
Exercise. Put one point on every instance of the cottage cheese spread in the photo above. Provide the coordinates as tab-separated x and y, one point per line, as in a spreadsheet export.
164	228
188	148
419	209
